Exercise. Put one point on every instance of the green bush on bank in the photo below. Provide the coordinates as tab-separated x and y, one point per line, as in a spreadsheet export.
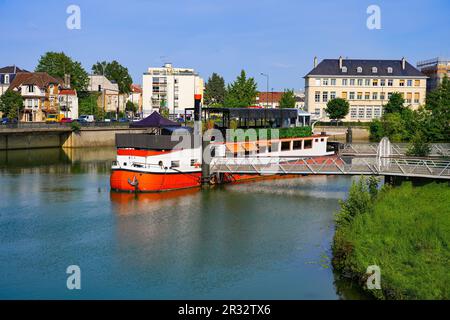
405	231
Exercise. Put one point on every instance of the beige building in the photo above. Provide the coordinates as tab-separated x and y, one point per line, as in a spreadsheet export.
110	99
170	87
366	84
435	69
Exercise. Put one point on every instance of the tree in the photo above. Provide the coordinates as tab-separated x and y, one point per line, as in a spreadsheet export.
131	107
418	146
10	103
287	99
395	104
241	93
114	71
214	94
57	64
438	103
337	108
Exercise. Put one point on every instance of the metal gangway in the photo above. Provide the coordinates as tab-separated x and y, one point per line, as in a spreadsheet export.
397	149
383	164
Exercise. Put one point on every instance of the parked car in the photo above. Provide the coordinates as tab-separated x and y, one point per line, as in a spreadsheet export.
8	121
66	120
86	118
53	118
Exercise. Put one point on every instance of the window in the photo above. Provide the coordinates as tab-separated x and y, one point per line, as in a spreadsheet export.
409	97
325	82
360	82
416	97
333	95
367	96
285	146
30	88
377	112
317	96
317	112
374	95
389	95
317	82
382	96
374	70
382	82
390	83
361	112
369	112
344	82
344	69
359	69
352	96
359	96
175	164
344	95
409	83
325	96
352	82
389	69
353	111
297	145
308	144
333	82
402	83
367	82
417	83
6	78
375	82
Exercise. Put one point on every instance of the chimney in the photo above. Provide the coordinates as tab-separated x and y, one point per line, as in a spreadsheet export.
315	62
340	63
403	63
67	80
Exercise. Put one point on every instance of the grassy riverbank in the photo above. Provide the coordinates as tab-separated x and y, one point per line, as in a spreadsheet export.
405	231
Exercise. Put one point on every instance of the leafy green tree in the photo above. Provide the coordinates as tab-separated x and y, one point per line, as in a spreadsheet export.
241	93
114	71
337	108
395	103
438	103
131	107
419	146
214	94
287	99
394	127
11	102
88	103
57	64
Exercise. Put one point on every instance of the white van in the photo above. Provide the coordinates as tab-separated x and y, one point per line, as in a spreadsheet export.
86	118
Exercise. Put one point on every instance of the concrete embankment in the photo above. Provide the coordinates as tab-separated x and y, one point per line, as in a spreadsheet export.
15	139
338	133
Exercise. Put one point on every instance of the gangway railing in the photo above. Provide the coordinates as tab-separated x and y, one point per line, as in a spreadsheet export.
397	149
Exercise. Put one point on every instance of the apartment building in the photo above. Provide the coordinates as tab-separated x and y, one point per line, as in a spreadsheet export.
435	69
110	99
366	84
173	88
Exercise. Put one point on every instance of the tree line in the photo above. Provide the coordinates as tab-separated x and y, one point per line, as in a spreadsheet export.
241	93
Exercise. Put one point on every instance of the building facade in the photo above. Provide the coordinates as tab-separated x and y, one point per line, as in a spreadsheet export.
68	103
366	84
110	99
173	88
436	69
136	97
272	99
7	75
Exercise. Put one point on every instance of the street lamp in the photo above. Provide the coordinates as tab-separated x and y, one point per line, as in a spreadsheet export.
267	92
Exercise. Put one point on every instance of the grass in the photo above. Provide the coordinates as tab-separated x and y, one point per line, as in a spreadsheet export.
406	232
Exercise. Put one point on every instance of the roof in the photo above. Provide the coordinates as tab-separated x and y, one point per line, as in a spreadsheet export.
135	88
12	69
40	79
269	97
70	92
252	113
155	120
330	67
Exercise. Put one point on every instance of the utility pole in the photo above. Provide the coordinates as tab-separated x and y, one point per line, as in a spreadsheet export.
267	92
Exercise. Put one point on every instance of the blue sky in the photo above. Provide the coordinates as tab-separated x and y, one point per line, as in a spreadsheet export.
280	37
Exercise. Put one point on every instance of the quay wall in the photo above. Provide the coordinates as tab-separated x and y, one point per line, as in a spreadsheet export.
338	133
37	139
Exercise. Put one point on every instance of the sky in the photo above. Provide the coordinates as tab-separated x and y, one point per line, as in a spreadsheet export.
276	37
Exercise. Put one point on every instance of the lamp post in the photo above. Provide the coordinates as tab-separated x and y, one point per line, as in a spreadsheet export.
267	92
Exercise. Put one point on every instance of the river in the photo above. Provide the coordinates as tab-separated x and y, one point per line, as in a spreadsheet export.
260	240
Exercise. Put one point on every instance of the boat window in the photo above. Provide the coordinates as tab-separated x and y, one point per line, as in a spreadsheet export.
193	162
297	145
322	140
274	147
285	146
125	164
308	144
160	163
316	140
175	164
262	149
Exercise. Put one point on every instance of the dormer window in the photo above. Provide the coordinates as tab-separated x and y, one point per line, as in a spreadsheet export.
344	69
374	69
389	69
6	78
359	70
30	88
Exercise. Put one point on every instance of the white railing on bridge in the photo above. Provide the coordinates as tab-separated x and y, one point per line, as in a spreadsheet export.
397	149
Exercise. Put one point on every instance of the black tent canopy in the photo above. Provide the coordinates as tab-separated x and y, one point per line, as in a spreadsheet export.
155	120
